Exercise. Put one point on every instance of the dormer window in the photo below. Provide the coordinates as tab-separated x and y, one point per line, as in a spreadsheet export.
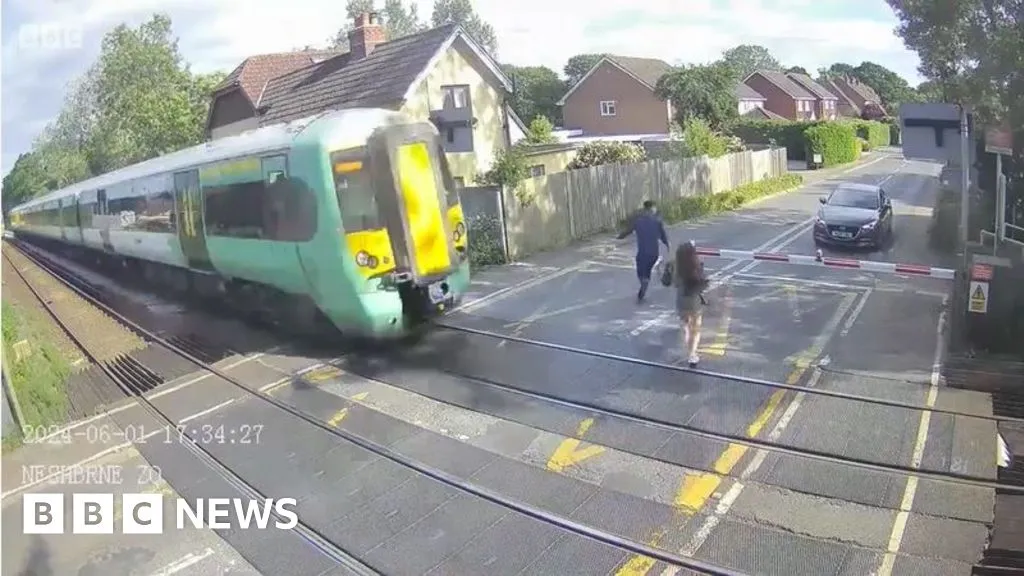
456	97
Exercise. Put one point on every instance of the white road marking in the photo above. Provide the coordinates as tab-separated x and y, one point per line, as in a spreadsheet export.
517	288
899	526
725	504
856	313
185	561
209	410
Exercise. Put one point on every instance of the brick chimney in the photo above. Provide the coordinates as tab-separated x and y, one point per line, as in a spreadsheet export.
365	36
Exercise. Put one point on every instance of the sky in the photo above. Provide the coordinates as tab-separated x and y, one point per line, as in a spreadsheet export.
49	43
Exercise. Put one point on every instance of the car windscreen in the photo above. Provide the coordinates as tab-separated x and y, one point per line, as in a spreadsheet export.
854	198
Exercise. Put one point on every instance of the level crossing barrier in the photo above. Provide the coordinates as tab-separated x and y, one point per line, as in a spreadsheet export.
821	260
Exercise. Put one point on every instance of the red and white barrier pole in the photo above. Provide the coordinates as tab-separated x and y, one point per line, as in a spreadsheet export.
829	262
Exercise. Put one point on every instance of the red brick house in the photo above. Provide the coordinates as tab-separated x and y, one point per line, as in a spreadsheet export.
616	98
826	103
783	96
862	95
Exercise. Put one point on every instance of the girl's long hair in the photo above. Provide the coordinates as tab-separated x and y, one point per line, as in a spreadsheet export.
688	264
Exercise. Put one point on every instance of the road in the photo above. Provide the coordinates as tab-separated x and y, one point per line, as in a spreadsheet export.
558	430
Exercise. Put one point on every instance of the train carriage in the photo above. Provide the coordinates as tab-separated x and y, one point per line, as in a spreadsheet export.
352	214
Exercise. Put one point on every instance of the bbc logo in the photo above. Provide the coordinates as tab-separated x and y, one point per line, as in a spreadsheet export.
53	36
93	513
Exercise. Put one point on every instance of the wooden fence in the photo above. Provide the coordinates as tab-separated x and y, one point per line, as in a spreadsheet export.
570	205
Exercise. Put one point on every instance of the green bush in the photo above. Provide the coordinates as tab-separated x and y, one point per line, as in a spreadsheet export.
876	133
835	141
698	139
38	379
485	242
601	153
781	133
691	207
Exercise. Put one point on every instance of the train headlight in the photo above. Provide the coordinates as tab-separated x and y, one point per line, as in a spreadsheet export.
460	231
362	258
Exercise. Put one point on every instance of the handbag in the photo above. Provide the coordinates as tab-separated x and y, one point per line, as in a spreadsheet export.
667	272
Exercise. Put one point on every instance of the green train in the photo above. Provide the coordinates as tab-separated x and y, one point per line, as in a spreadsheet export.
350	217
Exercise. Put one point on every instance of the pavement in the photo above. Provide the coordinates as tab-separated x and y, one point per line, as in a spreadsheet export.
643	451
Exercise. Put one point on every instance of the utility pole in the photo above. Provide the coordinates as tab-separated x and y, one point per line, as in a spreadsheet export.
965	180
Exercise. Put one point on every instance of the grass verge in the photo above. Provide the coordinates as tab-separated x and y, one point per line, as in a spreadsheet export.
692	207
38	377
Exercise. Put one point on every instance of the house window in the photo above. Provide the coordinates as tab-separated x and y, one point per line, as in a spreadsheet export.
455	97
536	171
608	108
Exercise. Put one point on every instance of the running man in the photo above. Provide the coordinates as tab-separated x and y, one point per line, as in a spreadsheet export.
649	230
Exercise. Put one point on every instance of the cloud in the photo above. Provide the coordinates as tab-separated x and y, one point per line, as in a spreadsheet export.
217	35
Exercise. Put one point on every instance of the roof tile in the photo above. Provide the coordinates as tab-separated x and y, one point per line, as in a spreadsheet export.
786	85
811	86
744	92
381	79
648	70
255	71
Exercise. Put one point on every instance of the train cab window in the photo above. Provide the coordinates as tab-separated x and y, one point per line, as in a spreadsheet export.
354	190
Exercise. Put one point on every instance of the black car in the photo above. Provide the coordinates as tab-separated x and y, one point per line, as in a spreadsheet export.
855	215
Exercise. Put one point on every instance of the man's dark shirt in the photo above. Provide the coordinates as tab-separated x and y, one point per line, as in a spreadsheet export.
649	230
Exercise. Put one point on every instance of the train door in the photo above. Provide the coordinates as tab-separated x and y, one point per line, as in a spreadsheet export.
61	220
105	222
188	203
274	213
413	201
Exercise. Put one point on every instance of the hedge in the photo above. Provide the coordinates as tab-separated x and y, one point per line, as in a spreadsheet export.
876	133
691	207
775	132
486	246
835	141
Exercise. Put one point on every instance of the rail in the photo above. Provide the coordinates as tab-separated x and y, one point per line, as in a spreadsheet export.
382	451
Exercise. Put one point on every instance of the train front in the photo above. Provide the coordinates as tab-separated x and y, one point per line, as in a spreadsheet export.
416	243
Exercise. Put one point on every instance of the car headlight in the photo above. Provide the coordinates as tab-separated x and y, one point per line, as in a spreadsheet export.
868	226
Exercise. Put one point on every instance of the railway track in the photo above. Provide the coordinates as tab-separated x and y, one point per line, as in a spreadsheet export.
135	379
201	352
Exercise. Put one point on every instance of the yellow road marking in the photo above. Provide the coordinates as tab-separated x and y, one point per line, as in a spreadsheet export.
360	397
322	374
722	337
697	487
337	418
569	452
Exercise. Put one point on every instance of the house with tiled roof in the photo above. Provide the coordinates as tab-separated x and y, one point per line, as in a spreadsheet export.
237	97
845	106
617	97
441	75
826	102
783	96
749	100
858	94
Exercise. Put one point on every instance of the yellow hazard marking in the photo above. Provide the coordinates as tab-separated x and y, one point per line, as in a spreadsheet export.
569	452
361	396
695	490
322	374
697	487
338	417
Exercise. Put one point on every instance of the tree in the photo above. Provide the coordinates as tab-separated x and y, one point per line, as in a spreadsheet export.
746	58
578	66
147	104
930	91
797	70
540	132
461	12
706	92
836	70
537	90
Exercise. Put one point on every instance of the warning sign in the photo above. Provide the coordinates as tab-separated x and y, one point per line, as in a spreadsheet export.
979	297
